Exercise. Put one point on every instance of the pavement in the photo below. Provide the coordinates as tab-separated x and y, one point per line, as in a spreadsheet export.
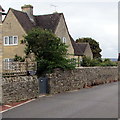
96	102
7	107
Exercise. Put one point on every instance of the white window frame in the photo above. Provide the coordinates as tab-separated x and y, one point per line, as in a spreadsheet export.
14	40
8	40
7	62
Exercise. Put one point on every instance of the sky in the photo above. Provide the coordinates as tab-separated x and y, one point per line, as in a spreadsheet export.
97	19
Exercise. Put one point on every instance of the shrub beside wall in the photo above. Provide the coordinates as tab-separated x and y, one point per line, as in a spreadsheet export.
61	81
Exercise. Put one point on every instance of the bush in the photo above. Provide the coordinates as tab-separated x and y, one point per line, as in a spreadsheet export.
87	62
107	62
19	58
94	62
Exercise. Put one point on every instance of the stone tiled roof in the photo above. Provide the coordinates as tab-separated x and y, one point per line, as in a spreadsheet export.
23	19
49	22
79	48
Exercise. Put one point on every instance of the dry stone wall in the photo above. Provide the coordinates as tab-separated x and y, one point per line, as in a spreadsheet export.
61	81
22	88
19	88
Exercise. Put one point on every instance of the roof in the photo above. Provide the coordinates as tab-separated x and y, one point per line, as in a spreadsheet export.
23	19
49	22
79	48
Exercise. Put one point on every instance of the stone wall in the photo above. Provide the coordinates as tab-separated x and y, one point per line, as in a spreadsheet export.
61	81
22	88
19	88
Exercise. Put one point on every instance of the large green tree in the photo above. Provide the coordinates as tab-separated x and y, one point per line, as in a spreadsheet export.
48	49
94	45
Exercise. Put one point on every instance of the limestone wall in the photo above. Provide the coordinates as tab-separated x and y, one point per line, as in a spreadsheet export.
19	88
61	81
26	87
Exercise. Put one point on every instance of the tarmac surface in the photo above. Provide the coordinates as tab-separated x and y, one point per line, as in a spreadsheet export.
96	102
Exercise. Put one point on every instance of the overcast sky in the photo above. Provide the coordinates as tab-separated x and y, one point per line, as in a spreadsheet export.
97	19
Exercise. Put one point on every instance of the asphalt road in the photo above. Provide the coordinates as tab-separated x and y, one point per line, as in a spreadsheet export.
97	102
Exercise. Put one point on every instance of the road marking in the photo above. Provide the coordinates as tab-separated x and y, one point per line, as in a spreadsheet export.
73	91
7	106
17	106
42	95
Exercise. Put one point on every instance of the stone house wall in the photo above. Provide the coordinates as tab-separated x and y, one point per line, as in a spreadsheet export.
88	52
11	27
61	31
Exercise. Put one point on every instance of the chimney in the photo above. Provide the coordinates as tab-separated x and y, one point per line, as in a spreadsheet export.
29	10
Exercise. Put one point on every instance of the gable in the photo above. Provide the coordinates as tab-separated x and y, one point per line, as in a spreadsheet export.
12	27
23	19
62	31
11	24
48	22
88	51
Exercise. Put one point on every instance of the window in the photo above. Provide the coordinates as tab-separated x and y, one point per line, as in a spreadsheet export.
15	40
7	63
6	40
8	60
64	40
10	40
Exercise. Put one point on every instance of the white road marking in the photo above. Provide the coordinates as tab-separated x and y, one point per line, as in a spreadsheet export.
42	95
7	105
17	105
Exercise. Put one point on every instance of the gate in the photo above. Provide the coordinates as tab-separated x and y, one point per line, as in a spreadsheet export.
43	85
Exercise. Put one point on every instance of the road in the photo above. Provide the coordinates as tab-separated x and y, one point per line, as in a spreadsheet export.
97	102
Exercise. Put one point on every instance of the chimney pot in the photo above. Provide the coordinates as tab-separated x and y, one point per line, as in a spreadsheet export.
29	10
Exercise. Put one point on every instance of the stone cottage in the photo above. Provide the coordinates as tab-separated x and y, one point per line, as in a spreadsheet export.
17	23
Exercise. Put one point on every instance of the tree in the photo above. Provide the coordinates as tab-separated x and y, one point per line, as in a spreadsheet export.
94	45
48	49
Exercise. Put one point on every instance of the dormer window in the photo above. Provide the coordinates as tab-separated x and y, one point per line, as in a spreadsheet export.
64	40
10	40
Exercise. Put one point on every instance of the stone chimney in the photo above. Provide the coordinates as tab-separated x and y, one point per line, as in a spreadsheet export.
29	10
